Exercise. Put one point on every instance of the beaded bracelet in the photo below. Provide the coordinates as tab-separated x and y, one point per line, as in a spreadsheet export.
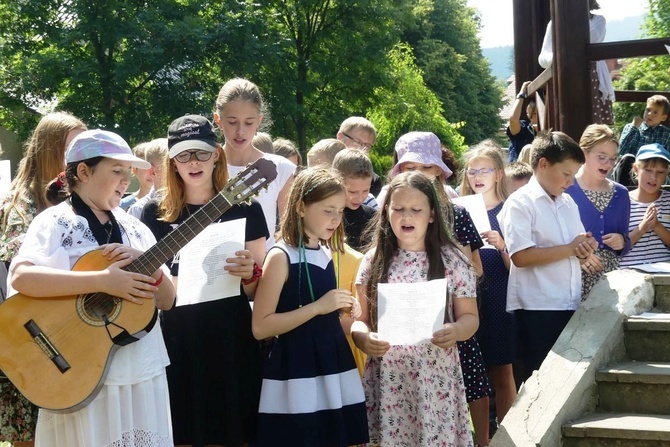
254	276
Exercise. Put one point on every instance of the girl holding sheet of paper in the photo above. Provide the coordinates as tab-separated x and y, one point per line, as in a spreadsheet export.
312	394
405	384
423	152
214	375
484	174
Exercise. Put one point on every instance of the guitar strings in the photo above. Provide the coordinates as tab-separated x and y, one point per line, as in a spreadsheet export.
149	260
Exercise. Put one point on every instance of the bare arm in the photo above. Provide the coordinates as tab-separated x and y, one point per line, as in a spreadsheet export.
515	118
282	199
266	322
360	331
465	326
42	282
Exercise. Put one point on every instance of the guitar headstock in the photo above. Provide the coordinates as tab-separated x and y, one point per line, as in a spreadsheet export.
250	181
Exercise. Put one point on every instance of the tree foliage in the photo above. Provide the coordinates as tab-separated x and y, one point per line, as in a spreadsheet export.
332	57
406	104
133	66
647	73
443	34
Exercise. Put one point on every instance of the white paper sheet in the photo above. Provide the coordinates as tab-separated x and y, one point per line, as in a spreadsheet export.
202	277
477	208
657	267
409	314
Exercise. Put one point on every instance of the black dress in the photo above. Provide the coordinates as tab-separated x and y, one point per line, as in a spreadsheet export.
214	375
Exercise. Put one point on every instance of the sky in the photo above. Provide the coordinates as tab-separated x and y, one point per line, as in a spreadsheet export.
497	17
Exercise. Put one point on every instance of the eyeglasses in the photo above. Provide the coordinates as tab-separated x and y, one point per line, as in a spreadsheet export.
187	156
360	143
604	159
482	171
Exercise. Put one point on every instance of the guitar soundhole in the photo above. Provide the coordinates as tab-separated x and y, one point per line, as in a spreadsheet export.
97	309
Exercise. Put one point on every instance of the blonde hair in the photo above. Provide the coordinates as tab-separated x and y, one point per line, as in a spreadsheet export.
353	163
310	186
488	150
44	159
660	100
173	194
156	151
358	123
239	89
526	154
323	152
518	170
649	163
596	134
263	142
285	148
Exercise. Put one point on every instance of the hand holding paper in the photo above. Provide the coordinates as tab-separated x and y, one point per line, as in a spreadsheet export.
370	344
445	337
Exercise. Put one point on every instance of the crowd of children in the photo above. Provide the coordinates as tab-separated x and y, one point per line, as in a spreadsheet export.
302	354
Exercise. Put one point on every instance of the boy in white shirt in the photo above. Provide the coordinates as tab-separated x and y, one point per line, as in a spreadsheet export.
547	244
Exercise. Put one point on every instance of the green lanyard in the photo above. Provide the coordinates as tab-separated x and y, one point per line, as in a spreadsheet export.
302	259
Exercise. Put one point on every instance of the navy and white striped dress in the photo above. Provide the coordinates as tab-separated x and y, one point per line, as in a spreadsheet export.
312	394
650	248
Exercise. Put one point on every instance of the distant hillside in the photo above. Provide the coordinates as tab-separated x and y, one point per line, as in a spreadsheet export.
501	59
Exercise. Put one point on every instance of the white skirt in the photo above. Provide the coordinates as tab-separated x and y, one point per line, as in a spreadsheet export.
120	416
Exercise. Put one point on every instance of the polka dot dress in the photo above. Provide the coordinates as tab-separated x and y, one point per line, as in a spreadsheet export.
476	381
497	328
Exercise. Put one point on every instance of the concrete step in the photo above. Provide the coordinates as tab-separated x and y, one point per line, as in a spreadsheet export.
618	430
635	387
662	292
647	340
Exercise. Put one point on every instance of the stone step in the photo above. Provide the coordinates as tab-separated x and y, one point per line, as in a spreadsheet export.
635	387
647	340
618	430
662	292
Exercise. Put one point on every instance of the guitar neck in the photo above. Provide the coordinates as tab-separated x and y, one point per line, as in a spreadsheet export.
174	241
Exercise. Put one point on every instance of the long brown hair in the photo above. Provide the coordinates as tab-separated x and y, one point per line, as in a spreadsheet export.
310	186
44	159
385	242
173	194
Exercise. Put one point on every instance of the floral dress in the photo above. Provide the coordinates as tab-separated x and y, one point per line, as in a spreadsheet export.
415	394
17	415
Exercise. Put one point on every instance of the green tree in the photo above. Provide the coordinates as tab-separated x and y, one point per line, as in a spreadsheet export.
406	104
117	64
443	34
332	56
648	73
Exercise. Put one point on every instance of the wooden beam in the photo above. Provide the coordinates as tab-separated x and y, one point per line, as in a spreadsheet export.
632	48
636	95
571	74
540	81
524	65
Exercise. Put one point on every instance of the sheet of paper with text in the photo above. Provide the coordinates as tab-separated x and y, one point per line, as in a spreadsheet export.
202	276
409	314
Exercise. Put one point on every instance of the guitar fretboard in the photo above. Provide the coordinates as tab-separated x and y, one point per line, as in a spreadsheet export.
176	239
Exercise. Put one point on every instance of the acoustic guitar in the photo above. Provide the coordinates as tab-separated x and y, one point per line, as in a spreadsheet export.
57	350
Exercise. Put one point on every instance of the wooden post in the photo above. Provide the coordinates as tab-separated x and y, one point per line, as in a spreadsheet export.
530	18
571	73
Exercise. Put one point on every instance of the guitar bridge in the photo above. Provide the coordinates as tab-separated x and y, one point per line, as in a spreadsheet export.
49	349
